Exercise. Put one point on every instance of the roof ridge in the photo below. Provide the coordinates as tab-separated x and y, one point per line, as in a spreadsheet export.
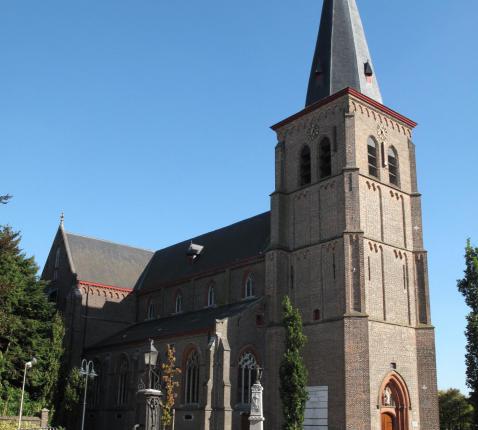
108	241
212	231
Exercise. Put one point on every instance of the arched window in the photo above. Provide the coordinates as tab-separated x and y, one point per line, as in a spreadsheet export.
372	149
211	296
151	311
393	173
53	296
305	166
179	303
325	159
317	315
95	393
57	264
247	375
57	258
249	286
122	394
191	379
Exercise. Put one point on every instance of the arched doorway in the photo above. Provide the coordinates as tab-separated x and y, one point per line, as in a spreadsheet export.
394	403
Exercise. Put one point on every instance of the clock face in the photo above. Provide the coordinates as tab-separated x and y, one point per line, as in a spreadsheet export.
313	132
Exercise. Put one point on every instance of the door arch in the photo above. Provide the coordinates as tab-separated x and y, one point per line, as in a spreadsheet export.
394	403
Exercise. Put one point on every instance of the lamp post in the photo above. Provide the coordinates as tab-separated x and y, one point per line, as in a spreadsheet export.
28	365
88	371
150	361
149	402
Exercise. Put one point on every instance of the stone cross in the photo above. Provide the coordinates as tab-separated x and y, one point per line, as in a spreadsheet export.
256	419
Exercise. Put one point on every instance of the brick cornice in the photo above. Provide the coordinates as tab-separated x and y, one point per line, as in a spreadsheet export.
347	91
106	287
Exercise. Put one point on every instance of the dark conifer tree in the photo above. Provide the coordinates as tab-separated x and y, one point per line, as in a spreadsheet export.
468	286
29	326
293	374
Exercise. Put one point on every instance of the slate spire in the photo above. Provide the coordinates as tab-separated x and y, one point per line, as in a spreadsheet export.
342	58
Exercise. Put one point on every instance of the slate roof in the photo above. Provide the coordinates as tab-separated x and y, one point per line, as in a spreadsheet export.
224	247
175	325
106	263
341	54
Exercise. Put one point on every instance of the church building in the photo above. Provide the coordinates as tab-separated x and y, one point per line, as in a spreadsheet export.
343	239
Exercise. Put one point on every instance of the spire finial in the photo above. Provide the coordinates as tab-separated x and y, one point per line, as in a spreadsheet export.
342	58
62	219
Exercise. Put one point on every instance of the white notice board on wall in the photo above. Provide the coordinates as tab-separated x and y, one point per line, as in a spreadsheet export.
317	409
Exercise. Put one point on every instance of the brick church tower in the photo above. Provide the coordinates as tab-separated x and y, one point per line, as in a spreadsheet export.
346	245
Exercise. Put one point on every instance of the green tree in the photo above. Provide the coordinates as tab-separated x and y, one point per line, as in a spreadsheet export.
29	326
468	286
293	374
73	395
456	412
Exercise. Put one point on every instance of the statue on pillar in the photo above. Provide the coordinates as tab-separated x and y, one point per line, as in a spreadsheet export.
256	418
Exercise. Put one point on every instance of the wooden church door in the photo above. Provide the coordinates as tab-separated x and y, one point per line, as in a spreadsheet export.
387	422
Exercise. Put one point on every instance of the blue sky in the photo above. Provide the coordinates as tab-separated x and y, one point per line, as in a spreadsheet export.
147	122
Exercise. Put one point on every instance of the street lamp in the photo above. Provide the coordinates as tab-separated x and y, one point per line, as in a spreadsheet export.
28	365
88	371
148	411
150	360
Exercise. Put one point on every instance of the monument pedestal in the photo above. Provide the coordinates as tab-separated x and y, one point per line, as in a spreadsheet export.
256	419
148	410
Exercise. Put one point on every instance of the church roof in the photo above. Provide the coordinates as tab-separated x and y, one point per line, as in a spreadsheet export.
107	263
202	321
342	58
221	248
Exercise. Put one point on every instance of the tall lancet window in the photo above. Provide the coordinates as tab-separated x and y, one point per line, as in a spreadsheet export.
95	386
249	286
191	379
393	173
57	264
247	373
151	311
211	296
179	303
122	393
325	159
372	150
305	166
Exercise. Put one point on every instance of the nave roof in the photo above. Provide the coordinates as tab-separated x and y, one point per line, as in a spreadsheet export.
201	321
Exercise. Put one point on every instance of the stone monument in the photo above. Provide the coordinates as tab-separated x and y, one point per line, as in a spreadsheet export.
256	418
149	409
